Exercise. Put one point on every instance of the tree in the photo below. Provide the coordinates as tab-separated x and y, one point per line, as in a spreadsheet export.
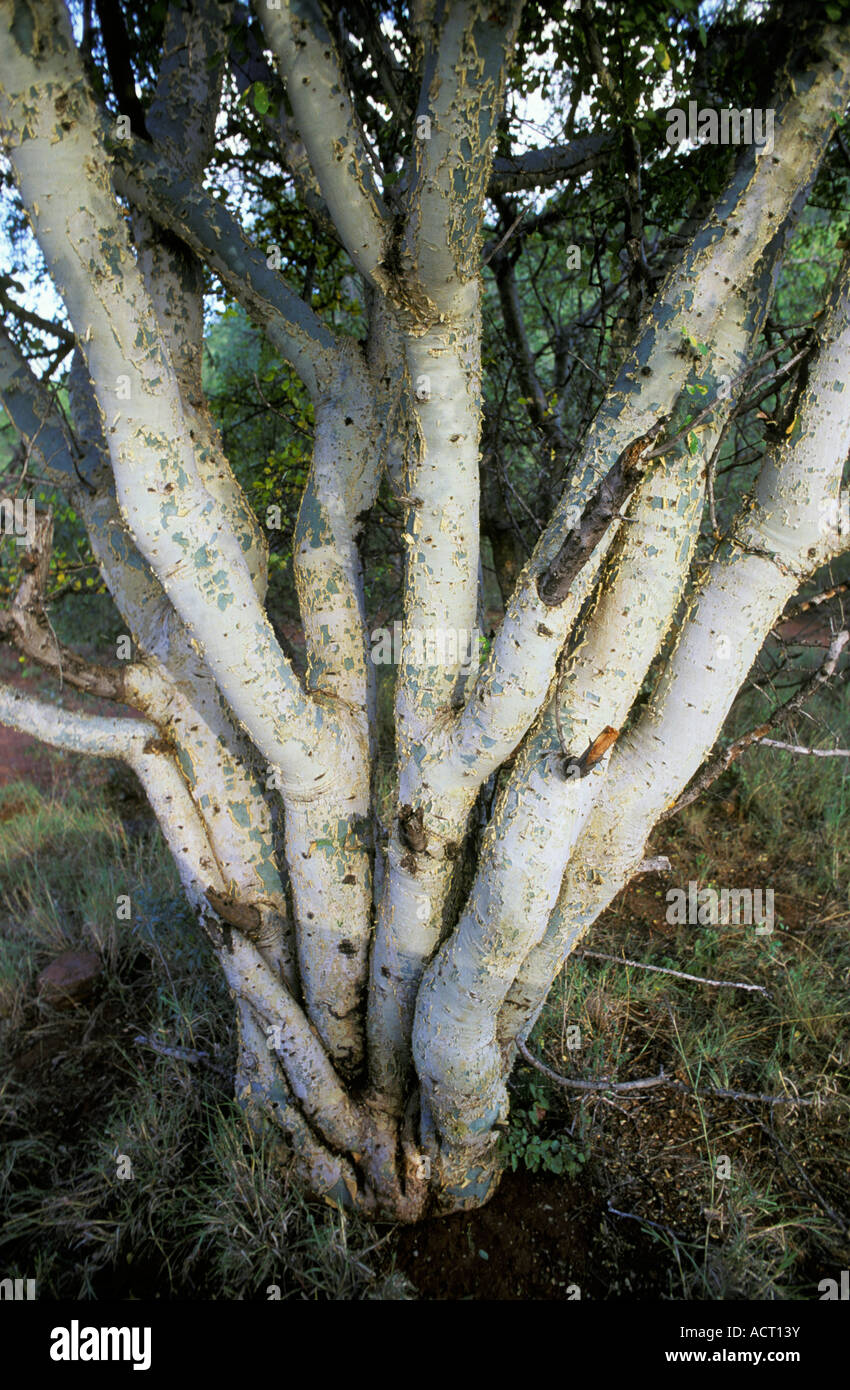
384	969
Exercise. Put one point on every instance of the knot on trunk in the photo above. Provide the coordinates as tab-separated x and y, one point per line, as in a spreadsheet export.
243	916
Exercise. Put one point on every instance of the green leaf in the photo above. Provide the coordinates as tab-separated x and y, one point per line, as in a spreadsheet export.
261	98
693	444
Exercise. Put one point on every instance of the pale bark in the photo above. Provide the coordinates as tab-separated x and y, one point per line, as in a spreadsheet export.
323	112
378	1019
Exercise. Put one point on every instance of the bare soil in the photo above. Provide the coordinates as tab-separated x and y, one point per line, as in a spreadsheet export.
540	1237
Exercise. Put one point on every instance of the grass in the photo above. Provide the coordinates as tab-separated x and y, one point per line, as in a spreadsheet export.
773	1217
209	1211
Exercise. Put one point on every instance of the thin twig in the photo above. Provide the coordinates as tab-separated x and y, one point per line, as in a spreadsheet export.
587	367
717	765
709	487
814	602
646	1083
666	445
645	1221
767	385
798	748
679	974
508	234
709	409
180	1054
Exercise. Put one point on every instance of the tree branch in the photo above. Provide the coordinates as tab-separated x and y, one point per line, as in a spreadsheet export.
249	66
117	45
545	419
545	167
812	752
781	539
647	1083
208	229
55	330
75	733
554	583
28	627
724	760
328	125
36	419
182	120
460	103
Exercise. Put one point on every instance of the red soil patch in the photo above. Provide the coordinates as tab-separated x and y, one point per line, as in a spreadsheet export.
23	759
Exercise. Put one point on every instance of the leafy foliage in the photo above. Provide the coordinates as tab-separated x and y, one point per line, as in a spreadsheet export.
530	1142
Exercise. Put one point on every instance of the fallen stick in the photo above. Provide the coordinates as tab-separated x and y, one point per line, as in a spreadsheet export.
647	1083
180	1054
679	974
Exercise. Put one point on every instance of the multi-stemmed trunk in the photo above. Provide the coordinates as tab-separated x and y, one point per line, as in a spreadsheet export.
383	973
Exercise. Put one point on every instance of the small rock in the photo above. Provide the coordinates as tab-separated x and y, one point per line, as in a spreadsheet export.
69	978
